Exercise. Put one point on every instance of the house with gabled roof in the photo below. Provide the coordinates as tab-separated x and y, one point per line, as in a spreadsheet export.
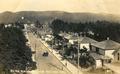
106	47
86	42
83	41
105	51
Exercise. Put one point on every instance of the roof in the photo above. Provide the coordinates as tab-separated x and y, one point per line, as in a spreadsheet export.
107	45
67	36
74	38
83	39
62	34
95	55
116	51
105	57
87	40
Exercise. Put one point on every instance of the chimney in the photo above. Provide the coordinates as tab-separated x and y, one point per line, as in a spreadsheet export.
81	34
108	38
84	34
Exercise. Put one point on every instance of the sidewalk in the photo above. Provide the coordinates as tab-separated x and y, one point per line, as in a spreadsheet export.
70	66
27	37
45	72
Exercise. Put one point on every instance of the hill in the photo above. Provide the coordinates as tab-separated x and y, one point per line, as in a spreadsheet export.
46	16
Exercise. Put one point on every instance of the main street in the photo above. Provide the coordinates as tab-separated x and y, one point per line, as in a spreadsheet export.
45	65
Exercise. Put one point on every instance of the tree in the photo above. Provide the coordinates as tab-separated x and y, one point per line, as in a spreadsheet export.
13	50
86	60
101	29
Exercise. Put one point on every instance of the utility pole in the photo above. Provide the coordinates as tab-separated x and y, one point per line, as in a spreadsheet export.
63	45
35	51
52	45
52	42
78	53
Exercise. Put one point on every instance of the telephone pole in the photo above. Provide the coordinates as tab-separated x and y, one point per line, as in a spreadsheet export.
78	53
35	51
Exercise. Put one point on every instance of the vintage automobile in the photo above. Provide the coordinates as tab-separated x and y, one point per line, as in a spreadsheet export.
45	53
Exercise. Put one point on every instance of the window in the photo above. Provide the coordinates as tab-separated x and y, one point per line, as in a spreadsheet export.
118	56
97	50
90	47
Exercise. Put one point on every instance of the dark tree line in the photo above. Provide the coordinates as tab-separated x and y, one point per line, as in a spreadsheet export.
100	29
14	54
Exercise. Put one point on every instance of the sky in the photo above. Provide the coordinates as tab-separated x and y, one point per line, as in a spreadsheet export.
92	6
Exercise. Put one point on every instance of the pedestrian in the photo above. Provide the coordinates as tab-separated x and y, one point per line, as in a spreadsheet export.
62	68
66	64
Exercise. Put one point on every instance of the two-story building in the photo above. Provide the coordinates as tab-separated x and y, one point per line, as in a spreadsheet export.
107	50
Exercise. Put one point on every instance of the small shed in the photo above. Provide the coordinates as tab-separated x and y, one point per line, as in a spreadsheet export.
116	54
86	42
97	58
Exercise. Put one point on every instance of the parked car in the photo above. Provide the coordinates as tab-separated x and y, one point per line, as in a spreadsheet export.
45	53
33	52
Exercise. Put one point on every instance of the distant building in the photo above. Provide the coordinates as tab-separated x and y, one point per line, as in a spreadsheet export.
73	40
67	36
8	25
48	37
83	41
32	25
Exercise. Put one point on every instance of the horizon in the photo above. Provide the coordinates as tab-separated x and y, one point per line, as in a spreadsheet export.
64	12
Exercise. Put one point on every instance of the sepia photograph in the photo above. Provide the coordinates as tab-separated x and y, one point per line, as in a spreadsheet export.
59	37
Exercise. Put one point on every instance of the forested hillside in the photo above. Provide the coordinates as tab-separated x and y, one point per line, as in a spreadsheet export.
47	16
